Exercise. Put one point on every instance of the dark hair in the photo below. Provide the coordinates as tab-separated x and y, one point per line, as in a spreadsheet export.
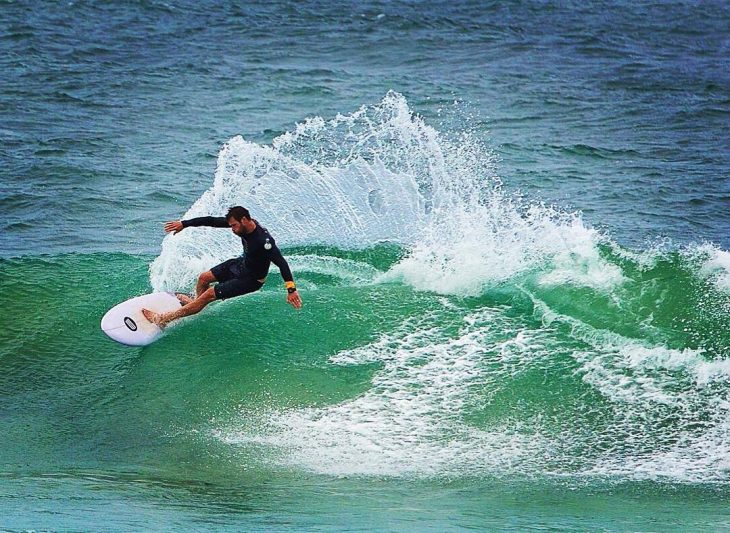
238	213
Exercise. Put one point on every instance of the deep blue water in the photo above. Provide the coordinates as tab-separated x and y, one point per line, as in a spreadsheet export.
616	109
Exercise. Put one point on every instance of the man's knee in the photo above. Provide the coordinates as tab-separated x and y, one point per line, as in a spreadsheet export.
206	277
207	295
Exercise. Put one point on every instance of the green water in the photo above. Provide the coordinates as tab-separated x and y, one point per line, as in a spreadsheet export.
374	407
351	505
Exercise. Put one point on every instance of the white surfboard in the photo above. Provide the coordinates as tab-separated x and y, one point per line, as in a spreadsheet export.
125	322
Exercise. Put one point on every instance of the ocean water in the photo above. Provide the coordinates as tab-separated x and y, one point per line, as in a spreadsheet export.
509	223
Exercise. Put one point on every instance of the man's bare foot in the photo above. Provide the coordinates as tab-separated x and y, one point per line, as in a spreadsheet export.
155	318
184	298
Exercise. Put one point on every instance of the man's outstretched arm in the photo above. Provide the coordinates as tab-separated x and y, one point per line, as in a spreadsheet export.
176	226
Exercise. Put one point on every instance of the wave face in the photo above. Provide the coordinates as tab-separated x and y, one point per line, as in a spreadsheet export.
502	337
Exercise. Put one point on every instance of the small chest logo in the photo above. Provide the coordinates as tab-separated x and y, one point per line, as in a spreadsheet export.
130	323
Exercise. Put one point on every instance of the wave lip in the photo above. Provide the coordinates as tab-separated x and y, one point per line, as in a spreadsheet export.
715	266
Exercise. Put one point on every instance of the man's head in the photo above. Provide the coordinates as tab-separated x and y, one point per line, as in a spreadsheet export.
238	213
239	219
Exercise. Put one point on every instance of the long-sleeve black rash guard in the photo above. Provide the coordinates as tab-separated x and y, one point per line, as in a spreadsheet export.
259	248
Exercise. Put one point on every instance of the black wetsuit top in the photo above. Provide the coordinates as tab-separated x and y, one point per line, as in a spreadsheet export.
258	256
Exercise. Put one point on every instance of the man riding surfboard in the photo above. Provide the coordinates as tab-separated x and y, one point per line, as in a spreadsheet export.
237	276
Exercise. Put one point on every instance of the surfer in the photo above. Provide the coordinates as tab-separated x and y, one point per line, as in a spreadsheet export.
237	276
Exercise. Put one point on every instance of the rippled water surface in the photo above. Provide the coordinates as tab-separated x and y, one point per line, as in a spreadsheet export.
508	223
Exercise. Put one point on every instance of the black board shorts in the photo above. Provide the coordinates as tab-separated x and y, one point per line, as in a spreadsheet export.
233	280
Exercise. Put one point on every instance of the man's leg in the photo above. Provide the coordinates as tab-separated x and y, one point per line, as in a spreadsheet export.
204	281
197	305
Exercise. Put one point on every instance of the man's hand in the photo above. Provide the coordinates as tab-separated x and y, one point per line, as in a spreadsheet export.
174	226
294	299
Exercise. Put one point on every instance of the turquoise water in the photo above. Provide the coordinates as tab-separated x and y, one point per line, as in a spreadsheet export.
509	228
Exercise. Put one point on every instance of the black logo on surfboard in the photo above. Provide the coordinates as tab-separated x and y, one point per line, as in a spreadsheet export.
130	323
